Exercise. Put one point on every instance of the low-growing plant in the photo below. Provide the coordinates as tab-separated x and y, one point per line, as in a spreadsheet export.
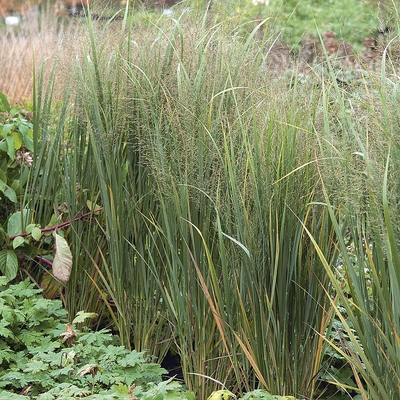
44	356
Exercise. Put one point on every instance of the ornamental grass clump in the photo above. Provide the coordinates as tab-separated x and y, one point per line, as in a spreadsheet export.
226	194
211	172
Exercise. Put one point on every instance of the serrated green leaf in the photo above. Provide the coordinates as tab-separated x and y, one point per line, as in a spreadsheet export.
8	264
8	192
18	241
36	233
62	263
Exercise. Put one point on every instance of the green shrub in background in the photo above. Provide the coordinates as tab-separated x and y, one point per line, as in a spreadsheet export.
291	20
352	20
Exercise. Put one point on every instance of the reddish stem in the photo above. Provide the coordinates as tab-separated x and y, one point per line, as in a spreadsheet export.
64	224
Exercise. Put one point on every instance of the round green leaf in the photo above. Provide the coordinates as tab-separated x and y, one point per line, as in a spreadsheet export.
36	233
18	241
29	228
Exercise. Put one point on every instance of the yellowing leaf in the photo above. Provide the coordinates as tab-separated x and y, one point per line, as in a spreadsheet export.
17	140
81	316
221	395
62	263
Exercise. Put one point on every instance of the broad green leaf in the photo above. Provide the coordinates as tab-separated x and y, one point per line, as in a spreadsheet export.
17	222
18	241
62	263
36	233
81	316
8	192
7	128
8	264
23	129
28	141
29	228
4	104
10	147
14	110
3	146
17	140
3	234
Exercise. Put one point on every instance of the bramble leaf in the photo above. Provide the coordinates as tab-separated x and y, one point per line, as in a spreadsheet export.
8	264
17	222
36	233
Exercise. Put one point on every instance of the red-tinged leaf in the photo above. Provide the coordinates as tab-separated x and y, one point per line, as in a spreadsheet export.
62	263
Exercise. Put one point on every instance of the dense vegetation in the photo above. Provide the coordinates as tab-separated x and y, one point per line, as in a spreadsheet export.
201	197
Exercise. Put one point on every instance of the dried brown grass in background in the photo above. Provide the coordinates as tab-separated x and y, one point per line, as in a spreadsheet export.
24	48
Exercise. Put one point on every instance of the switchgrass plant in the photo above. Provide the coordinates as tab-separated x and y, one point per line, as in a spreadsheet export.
220	199
366	228
229	254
